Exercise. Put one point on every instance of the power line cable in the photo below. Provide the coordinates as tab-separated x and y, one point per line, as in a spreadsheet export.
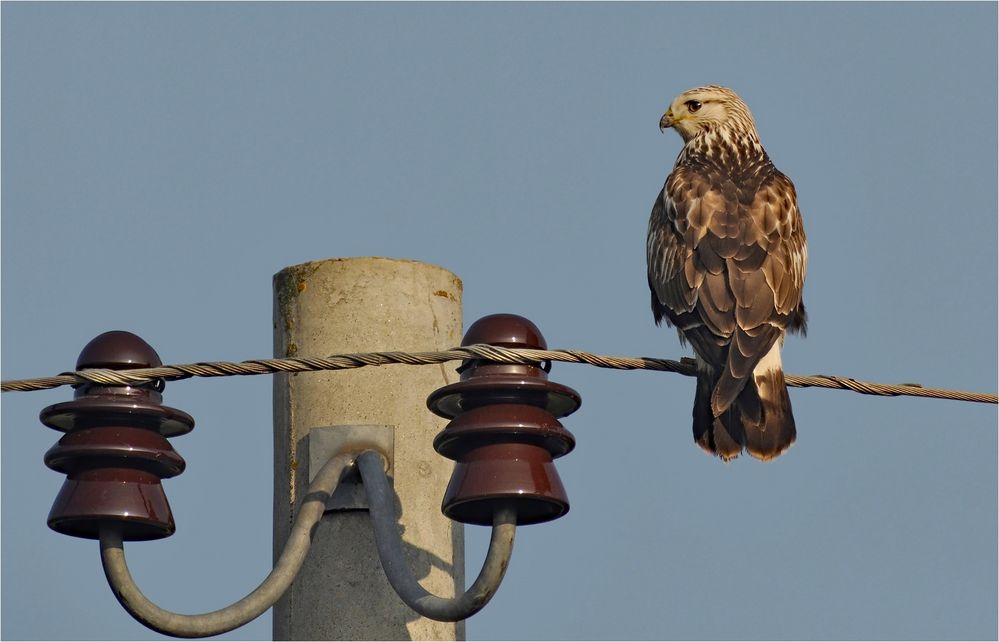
486	352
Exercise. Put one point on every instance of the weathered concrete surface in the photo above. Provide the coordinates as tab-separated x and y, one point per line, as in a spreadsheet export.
362	305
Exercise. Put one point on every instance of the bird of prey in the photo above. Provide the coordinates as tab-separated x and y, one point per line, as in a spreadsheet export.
726	265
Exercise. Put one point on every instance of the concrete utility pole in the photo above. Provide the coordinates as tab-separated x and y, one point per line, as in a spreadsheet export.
360	305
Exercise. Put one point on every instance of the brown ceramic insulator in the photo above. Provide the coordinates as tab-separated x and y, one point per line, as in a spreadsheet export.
117	350
126	409
504	423
113	474
491	475
484	382
132	498
504	433
508	331
137	448
96	404
115	450
504	455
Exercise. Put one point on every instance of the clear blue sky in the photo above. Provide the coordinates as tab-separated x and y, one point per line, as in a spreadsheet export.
162	161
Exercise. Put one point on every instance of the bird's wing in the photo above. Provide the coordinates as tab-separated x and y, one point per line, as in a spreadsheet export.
775	213
688	292
765	262
673	277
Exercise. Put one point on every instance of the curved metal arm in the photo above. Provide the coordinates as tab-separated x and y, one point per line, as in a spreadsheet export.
251	606
389	544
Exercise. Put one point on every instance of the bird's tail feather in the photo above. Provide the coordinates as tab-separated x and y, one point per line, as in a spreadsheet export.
759	419
774	431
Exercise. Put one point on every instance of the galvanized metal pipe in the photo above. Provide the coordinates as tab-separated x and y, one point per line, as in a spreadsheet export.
389	543
246	609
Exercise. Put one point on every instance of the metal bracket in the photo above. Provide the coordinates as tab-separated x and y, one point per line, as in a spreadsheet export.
326	442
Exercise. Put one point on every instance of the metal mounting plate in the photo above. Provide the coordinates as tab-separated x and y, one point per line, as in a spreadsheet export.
325	442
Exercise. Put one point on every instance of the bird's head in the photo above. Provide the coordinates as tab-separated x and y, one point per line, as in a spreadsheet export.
708	108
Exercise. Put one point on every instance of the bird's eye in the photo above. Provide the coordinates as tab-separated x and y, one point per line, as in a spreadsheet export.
693	105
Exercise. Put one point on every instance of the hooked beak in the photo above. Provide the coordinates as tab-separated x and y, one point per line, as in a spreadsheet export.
666	121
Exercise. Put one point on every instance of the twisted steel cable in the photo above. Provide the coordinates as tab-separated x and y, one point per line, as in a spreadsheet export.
486	352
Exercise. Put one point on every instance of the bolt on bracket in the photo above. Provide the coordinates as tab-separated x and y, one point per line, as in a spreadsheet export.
326	442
